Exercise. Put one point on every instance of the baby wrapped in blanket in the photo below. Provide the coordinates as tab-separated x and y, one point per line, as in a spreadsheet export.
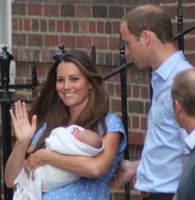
72	140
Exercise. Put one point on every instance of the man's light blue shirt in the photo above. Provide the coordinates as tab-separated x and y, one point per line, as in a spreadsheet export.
190	140
163	153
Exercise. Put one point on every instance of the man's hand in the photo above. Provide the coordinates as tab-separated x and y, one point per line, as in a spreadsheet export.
174	197
125	173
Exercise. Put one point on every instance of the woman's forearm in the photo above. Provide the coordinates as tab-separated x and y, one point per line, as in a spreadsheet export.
85	166
14	164
89	166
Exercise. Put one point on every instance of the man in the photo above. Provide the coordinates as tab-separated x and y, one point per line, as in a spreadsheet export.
147	33
183	94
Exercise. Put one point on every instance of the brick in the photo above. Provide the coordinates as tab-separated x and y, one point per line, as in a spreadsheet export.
188	12
136	91
44	56
101	42
51	25
100	58
67	26
20	27
83	11
36	54
110	89
34	9
41	70
92	27
135	122
83	42
117	90
75	26
51	10
84	27
189	43
15	53
116	105
35	25
51	40
67	10
136	106
43	25
68	41
14	24
188	25
26	55
171	11
59	26
26	25
145	91
109	59
19	39
143	123
147	105
138	76
19	9
22	69
116	27
191	58
99	11
116	59
136	138
108	27
129	90
116	11
35	40
100	27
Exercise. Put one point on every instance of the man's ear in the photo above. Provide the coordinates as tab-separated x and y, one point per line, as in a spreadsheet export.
146	36
177	106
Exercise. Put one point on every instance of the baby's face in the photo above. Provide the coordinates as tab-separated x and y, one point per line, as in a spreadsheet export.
87	137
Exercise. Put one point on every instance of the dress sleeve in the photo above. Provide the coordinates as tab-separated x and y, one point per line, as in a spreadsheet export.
114	124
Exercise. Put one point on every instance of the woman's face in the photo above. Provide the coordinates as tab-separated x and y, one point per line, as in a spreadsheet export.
72	86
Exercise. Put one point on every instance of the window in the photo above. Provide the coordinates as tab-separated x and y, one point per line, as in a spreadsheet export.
5	23
5	33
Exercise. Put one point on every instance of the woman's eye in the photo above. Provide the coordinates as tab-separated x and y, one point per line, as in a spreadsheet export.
74	78
60	80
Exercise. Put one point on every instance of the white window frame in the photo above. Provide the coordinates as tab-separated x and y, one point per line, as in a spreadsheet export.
5	24
6	33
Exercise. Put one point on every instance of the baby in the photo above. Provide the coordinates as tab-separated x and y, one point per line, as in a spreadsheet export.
72	140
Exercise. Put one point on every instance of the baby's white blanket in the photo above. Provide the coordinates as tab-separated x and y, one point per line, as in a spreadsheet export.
47	177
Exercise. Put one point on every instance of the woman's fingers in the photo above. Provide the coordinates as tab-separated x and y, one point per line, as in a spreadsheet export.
34	122
24	128
12	116
24	110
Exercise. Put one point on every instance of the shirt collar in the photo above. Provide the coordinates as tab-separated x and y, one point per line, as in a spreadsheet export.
165	69
190	140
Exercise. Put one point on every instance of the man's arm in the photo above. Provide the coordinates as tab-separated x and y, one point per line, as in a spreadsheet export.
125	173
174	198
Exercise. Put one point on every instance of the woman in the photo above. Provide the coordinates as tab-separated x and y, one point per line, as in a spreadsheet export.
72	94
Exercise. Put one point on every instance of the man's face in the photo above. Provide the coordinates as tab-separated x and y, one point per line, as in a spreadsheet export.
135	48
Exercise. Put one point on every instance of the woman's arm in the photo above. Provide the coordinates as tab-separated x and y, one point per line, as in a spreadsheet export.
14	163
85	166
24	131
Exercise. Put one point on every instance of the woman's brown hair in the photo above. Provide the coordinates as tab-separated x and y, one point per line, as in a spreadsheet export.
50	109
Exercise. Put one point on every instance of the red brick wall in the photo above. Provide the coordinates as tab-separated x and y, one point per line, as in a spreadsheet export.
38	27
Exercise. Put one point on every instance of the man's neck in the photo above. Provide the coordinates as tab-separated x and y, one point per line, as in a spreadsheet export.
161	53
